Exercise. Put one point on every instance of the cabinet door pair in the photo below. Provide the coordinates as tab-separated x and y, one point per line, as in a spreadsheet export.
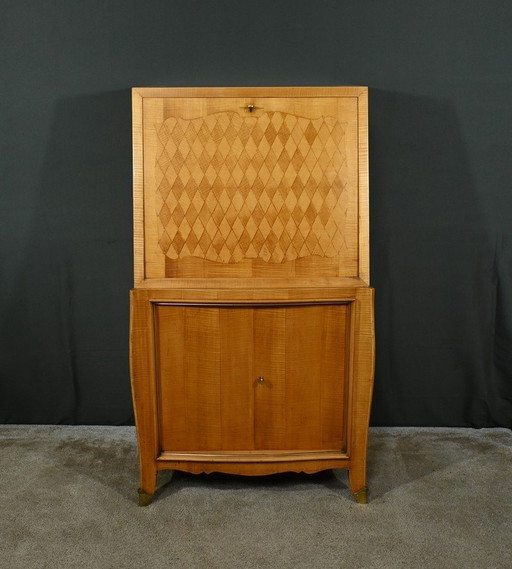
243	377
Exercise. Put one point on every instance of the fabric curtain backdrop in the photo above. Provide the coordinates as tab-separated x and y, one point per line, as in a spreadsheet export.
441	246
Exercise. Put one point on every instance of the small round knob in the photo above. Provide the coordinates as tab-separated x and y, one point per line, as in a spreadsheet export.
261	379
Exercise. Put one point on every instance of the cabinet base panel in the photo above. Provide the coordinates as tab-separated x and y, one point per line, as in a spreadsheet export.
253	468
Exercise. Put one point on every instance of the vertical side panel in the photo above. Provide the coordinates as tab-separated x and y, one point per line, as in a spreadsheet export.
269	363
154	263
236	362
138	189
364	215
362	385
143	387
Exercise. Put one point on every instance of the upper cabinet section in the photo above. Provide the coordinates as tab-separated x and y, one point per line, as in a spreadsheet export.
236	186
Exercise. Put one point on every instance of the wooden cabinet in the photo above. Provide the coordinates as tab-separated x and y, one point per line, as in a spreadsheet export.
251	316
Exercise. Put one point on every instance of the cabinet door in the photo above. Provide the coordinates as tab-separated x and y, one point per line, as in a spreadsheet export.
300	352
209	363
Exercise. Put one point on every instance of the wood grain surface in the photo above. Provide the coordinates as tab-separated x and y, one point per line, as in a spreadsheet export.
208	364
276	192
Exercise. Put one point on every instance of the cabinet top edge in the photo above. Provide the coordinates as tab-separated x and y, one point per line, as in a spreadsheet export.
295	91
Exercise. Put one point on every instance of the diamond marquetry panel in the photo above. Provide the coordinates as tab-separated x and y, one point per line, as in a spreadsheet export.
232	187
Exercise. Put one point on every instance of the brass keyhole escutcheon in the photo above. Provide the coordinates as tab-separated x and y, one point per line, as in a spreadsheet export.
250	107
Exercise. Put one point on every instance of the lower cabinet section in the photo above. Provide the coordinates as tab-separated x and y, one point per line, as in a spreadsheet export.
252	387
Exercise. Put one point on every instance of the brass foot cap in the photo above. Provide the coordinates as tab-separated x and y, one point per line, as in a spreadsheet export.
361	496
144	498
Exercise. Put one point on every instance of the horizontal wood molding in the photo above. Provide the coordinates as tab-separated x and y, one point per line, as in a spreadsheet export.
237	296
251	283
248	304
254	468
255	456
260	92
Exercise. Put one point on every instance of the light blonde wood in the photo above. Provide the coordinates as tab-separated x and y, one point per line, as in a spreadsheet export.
301	268
250	284
138	188
270	186
221	92
234	194
263	295
363	191
208	321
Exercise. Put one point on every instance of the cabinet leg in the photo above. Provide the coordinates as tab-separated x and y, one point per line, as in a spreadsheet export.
361	496
144	498
357	481
147	485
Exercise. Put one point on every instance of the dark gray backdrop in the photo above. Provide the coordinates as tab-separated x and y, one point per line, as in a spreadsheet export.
440	83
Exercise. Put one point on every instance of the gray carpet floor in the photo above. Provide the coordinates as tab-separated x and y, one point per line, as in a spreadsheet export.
439	498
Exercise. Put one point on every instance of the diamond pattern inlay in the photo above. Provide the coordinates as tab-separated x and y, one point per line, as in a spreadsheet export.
232	187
